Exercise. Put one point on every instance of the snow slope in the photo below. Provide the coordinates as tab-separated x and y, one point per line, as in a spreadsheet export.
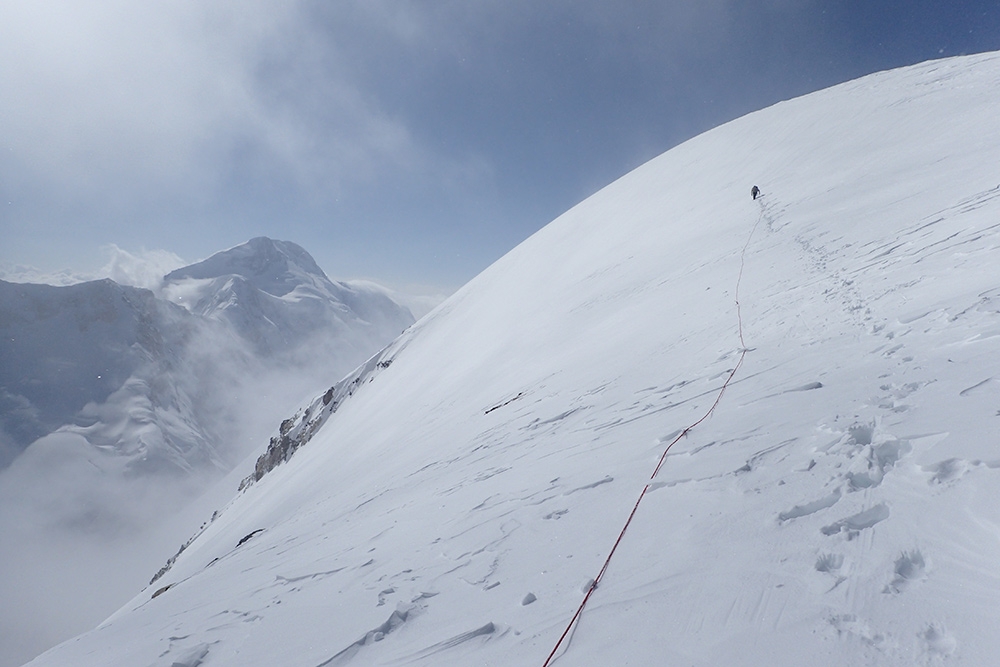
839	507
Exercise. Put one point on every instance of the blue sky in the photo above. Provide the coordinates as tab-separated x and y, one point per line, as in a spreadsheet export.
412	143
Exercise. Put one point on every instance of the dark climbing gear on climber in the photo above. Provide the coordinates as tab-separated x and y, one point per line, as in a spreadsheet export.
755	192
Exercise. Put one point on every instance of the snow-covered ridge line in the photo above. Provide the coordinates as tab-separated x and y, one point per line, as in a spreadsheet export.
173	559
300	428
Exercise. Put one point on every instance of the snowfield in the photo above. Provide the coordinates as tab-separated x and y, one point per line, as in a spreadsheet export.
840	506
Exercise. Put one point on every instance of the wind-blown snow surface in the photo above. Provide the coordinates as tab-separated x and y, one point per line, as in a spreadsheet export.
839	507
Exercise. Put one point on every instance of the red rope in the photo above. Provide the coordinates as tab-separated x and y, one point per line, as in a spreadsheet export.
663	457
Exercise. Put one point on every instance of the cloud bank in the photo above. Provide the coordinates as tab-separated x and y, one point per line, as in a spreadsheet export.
412	142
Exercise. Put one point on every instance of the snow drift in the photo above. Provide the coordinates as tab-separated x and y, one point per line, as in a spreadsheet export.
839	506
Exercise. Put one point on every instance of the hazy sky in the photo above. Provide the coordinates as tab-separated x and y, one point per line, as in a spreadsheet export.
409	142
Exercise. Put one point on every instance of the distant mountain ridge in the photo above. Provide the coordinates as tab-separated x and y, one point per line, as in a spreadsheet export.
64	348
119	406
274	295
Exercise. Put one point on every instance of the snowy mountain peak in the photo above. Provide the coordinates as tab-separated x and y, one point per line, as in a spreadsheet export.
120	405
275	267
272	294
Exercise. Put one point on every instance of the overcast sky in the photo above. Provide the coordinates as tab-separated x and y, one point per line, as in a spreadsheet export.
412	143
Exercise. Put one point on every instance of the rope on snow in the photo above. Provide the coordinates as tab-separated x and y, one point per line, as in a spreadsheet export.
663	457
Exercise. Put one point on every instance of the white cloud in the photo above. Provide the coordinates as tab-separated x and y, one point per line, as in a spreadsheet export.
22	273
127	99
419	299
141	268
144	268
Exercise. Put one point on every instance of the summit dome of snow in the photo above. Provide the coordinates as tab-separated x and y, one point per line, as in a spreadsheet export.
275	267
838	507
273	294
